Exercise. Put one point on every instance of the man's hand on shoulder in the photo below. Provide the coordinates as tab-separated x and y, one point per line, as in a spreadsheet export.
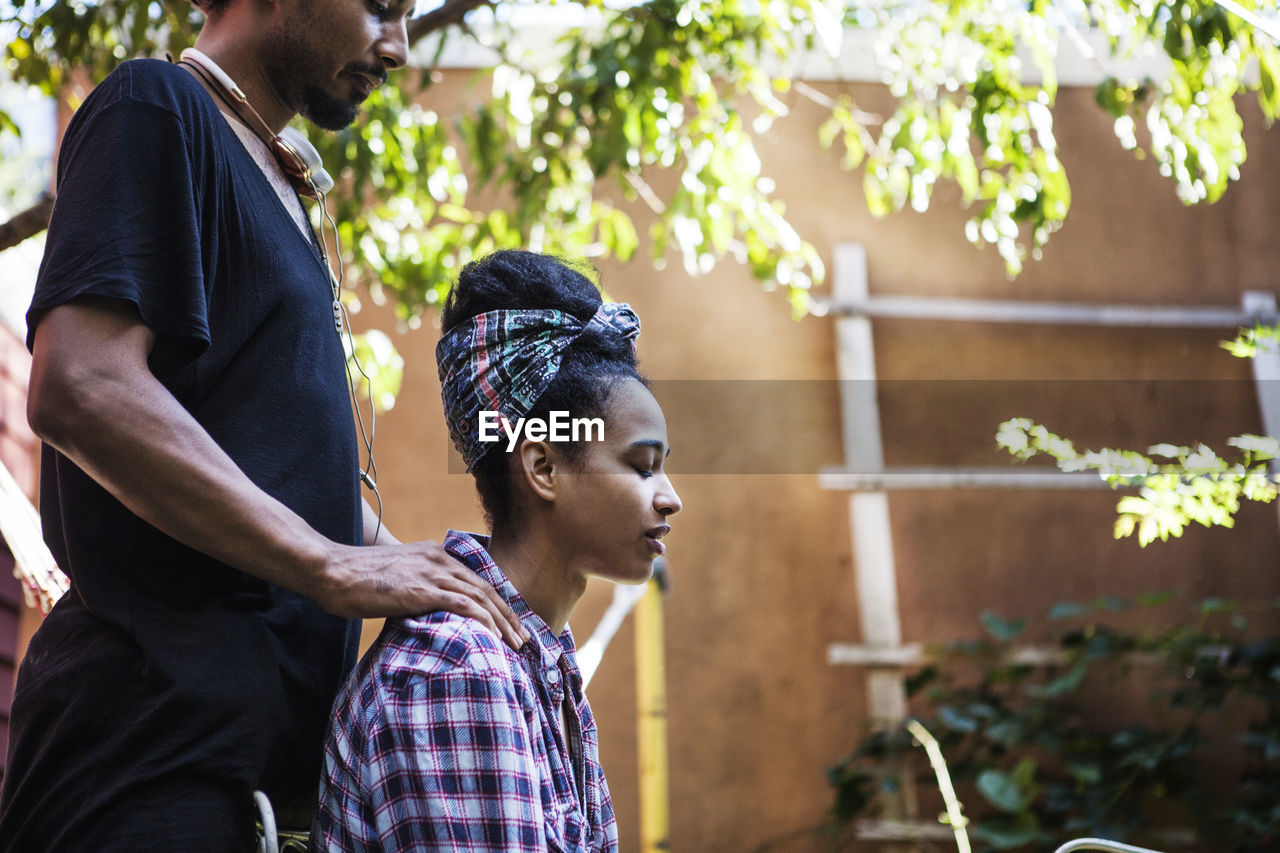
410	579
94	398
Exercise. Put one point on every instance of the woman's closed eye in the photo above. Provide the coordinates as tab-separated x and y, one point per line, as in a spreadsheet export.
646	464
646	457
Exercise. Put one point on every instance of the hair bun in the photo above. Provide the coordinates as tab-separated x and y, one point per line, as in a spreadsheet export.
514	279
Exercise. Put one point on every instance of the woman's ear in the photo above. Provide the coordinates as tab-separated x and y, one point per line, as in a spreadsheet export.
538	466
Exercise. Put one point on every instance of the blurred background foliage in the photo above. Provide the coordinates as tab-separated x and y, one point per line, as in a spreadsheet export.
654	107
1043	752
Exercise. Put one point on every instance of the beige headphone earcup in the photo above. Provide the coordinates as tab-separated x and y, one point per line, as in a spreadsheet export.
297	156
295	148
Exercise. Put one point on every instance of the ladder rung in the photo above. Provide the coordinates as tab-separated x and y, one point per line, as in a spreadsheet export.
1053	313
892	479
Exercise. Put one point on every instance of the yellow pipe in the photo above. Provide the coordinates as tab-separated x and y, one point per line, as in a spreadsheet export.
651	720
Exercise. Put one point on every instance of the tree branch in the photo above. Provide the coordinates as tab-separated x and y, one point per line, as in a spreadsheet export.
450	13
642	188
826	102
28	223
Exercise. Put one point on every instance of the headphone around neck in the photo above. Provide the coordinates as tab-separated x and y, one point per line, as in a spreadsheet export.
297	157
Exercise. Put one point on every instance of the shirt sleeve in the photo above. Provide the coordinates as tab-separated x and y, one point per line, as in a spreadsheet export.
126	224
449	766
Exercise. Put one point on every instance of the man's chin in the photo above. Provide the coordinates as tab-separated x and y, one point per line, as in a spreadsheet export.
323	110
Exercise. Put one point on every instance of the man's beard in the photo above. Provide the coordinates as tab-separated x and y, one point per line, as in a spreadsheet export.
294	67
326	111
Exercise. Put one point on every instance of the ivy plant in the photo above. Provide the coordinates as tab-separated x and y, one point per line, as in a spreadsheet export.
1043	753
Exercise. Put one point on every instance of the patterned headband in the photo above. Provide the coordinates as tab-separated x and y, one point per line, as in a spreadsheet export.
503	361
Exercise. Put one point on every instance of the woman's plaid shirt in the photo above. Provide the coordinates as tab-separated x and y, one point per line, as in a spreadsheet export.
444	739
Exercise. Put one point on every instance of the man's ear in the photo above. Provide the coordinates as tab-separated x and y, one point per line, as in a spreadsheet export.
538	466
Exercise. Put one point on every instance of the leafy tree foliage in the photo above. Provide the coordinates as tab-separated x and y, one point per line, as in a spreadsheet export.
1177	485
567	150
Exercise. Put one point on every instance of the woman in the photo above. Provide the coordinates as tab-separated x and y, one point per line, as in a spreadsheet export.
444	738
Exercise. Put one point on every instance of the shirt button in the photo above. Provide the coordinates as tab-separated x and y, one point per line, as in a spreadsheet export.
553	676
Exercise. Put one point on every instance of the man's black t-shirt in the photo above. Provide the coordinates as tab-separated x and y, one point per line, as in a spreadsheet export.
163	665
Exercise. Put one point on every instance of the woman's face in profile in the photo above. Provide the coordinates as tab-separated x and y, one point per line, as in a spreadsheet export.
614	501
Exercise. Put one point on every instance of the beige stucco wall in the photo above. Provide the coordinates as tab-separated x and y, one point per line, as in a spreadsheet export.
763	574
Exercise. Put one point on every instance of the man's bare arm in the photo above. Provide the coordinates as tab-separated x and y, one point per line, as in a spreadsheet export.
93	398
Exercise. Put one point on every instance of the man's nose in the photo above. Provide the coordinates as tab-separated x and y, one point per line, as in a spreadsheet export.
393	44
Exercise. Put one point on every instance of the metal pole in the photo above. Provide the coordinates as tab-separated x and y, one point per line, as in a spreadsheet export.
1266	368
651	715
592	651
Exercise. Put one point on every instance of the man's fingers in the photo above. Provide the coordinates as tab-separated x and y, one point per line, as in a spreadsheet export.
480	597
513	630
422	577
463	604
502	611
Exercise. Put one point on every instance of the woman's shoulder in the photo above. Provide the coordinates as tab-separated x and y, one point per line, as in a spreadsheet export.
439	644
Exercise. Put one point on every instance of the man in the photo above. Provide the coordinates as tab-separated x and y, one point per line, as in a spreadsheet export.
200	482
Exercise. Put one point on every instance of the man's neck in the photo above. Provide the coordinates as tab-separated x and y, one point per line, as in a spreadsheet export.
238	58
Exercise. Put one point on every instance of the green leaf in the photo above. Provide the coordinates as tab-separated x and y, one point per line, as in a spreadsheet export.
8	125
914	683
1001	790
1217	605
879	197
1085	772
1004	834
957	720
624	234
1107	94
1068	609
1008	732
1025	775
1064	684
999	628
1268	73
1155	599
377	368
